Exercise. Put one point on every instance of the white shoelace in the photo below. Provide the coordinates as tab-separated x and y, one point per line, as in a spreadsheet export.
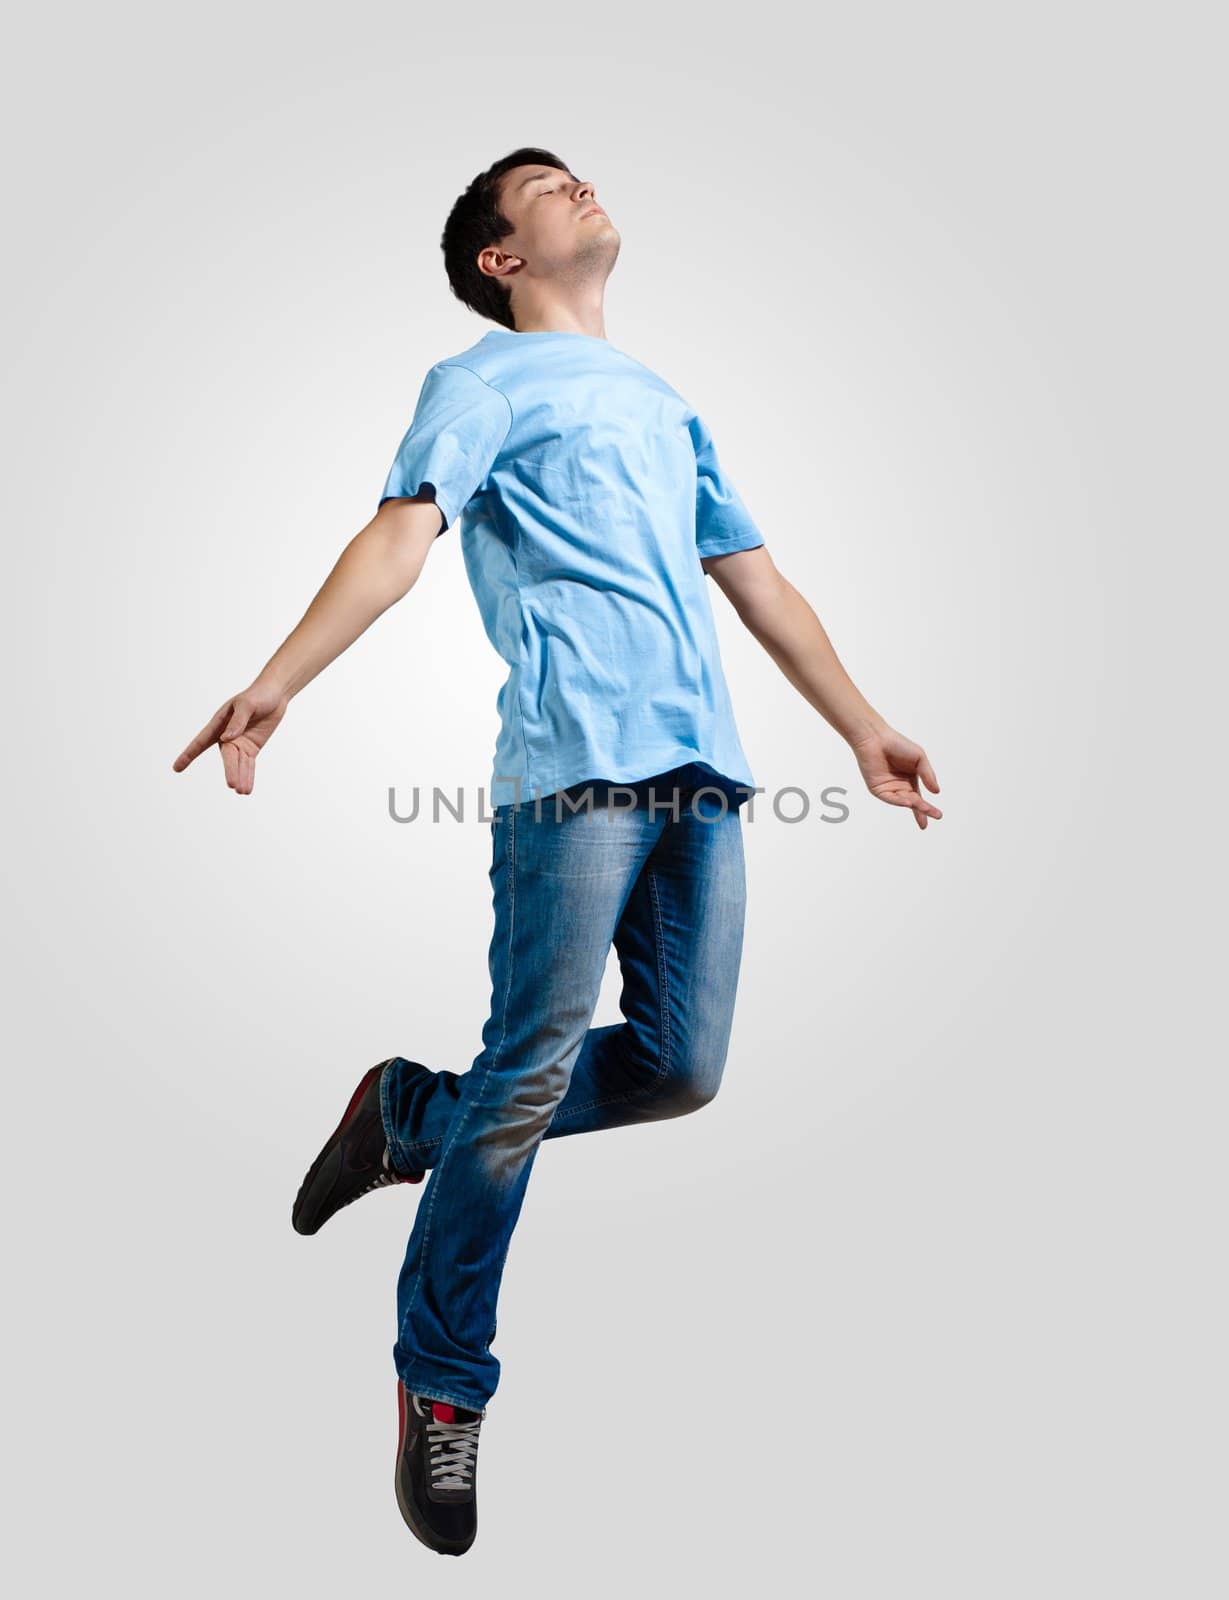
454	1449
378	1182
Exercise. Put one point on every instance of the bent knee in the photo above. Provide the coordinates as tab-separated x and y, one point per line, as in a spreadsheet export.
690	1091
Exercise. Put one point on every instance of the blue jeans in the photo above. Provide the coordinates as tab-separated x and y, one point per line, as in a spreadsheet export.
663	881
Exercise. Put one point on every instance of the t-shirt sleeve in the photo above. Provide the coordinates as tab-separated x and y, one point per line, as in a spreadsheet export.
459	424
723	523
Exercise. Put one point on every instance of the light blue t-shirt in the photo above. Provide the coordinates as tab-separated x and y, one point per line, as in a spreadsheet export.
588	490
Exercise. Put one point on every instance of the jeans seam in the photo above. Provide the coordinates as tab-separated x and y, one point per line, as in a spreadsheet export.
663	985
457	1125
609	1100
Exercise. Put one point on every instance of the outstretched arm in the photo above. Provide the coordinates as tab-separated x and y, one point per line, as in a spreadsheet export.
781	619
378	567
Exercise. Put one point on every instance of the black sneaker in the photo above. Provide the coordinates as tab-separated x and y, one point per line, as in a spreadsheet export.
437	1469
353	1162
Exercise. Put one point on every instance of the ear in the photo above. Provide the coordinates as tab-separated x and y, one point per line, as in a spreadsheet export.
496	263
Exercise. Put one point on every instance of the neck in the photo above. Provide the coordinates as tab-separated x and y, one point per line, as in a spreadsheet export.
551	314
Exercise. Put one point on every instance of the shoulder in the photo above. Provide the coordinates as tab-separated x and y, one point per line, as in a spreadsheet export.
462	380
476	361
470	374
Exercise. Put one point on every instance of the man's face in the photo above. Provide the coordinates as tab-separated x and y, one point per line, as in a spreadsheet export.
559	229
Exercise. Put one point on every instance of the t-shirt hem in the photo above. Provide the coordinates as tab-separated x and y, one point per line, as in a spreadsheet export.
629	772
441	502
728	547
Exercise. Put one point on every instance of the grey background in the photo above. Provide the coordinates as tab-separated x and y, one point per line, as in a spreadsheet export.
928	1301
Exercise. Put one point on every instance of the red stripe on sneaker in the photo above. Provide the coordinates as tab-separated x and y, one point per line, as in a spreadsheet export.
357	1096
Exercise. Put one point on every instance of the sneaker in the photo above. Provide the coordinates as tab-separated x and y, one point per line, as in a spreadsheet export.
437	1468
354	1161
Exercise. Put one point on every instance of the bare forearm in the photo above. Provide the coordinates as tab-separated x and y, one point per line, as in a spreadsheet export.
375	570
786	625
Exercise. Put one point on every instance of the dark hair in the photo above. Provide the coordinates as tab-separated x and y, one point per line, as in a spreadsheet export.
475	222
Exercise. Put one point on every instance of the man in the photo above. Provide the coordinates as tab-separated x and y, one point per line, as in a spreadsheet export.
592	506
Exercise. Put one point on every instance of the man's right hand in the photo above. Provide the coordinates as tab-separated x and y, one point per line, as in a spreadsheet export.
377	568
241	728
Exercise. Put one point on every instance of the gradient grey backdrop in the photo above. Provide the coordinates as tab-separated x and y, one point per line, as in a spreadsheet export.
927	1301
